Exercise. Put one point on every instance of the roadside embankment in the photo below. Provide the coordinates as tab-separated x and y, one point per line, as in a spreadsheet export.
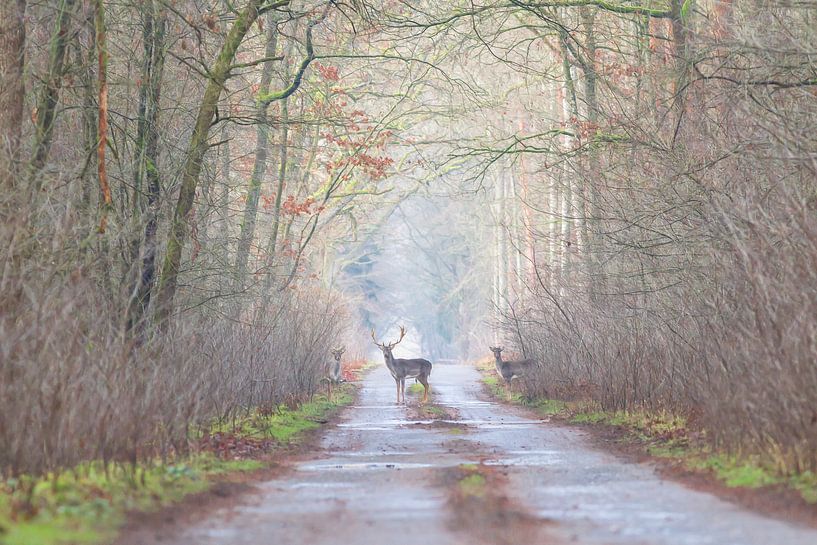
680	451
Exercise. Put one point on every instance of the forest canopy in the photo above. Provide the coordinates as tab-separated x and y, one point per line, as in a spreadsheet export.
201	197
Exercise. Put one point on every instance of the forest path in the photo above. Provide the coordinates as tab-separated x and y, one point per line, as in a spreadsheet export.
382	476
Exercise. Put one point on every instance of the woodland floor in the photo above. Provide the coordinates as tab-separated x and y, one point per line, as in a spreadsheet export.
466	469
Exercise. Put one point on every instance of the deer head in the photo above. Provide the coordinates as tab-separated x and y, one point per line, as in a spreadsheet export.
338	352
497	350
387	348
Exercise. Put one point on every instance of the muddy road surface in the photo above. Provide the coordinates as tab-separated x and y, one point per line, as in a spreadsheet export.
480	473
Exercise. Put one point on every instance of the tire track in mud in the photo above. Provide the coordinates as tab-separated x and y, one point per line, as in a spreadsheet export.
480	508
476	499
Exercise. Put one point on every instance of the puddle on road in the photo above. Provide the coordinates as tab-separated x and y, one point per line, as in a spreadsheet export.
371	453
534	458
390	424
371	466
474	403
319	485
378	407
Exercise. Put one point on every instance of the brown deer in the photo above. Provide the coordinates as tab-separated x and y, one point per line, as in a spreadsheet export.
400	368
510	370
333	374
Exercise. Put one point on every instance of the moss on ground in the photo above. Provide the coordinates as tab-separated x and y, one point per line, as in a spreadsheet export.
416	389
471	483
283	424
87	504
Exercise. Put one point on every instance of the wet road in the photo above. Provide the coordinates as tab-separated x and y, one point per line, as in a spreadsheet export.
377	479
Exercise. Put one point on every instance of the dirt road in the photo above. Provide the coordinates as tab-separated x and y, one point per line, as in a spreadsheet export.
382	477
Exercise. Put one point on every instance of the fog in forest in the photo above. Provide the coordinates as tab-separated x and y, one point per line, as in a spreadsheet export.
204	201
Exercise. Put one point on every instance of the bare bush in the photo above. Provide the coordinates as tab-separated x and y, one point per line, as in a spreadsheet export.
694	289
74	387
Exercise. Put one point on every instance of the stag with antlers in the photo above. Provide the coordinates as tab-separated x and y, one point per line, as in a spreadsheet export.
400	368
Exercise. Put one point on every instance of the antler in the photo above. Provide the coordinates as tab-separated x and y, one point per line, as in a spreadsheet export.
375	340
402	334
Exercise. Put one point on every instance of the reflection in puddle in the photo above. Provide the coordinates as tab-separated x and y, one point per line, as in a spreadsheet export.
319	485
371	454
527	459
362	466
389	424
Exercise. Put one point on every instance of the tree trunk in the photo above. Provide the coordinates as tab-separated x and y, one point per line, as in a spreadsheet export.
50	93
272	248
89	123
106	201
193	162
12	89
260	166
147	154
680	46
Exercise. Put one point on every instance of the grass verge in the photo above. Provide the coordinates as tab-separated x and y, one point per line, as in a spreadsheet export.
667	436
88	503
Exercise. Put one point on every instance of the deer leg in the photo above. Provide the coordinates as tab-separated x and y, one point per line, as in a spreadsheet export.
329	390
424	381
397	383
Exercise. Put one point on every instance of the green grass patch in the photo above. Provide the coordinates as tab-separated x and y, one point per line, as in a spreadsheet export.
473	485
87	504
416	388
433	410
546	407
284	424
736	473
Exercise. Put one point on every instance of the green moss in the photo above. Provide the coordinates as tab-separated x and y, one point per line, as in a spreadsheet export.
47	531
734	472
806	484
589	418
433	410
416	388
549	407
473	485
284	424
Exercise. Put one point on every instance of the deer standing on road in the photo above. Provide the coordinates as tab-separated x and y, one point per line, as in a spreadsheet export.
333	375
401	368
510	370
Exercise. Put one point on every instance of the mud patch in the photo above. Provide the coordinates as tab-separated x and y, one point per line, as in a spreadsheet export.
480	508
434	412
